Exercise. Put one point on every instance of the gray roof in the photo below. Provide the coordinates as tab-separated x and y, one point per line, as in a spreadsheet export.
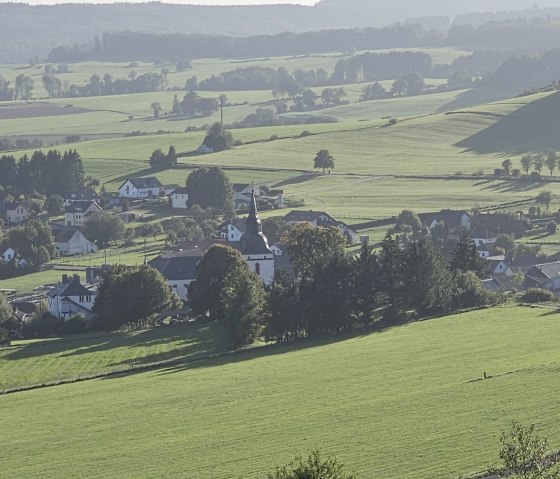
305	215
548	270
149	182
72	287
178	268
449	217
81	206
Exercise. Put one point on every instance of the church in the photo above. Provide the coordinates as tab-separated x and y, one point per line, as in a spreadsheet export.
254	245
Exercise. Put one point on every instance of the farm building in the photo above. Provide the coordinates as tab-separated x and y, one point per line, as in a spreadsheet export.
140	188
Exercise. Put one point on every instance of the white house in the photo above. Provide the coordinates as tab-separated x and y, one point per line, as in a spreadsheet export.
78	212
7	254
179	198
14	212
233	230
483	237
323	220
71	297
141	188
178	270
545	276
70	242
454	220
498	265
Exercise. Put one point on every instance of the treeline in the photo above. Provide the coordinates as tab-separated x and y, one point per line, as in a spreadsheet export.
97	86
51	173
333	292
136	45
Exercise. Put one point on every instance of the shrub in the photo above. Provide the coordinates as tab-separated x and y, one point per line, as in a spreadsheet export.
76	324
537	295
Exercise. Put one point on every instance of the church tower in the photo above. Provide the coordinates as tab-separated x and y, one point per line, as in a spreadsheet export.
254	246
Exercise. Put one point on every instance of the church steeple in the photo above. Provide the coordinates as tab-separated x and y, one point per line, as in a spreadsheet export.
254	224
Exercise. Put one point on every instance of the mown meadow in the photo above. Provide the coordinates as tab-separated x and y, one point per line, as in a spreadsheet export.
410	402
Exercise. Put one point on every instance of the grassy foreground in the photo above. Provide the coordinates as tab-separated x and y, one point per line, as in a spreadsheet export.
408	402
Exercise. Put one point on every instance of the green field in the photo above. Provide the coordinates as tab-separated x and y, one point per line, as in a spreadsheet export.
38	362
407	402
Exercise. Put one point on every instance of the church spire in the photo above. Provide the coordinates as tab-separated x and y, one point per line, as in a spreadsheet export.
254	224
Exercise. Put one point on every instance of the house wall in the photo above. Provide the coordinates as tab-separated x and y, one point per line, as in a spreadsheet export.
179	201
263	265
18	215
180	287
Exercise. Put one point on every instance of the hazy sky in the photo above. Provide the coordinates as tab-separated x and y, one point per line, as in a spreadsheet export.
194	2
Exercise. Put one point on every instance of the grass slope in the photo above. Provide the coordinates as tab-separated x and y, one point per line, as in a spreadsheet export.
31	363
420	415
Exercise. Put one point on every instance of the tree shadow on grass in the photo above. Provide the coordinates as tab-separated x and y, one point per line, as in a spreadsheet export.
533	127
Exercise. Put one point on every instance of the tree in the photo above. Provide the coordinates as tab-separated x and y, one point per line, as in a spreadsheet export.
103	228
242	301
374	91
218	138
23	87
33	241
131	294
551	161
408	218
307	244
506	165
526	163
205	293
427	278
524	454
55	205
323	160
158	160
504	243
211	189
365	277
538	162
544	198
157	108
314	467
464	257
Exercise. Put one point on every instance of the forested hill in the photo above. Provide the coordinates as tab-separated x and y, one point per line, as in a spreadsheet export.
32	31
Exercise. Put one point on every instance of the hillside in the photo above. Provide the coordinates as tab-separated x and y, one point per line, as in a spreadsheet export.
421	415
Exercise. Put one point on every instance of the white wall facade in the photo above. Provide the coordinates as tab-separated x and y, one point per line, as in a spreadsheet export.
263	265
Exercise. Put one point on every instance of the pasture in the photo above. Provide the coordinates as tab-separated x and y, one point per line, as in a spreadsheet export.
421	414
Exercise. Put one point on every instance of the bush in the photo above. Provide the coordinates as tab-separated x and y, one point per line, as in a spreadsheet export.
77	324
537	295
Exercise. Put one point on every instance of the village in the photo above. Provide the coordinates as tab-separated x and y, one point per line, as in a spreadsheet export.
511	265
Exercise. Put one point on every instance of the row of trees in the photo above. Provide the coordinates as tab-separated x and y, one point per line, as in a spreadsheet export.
332	292
22	89
97	86
51	173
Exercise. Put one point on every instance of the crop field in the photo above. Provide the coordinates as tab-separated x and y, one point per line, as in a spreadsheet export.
38	362
424	414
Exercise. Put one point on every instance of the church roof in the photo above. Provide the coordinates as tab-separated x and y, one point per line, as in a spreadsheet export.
253	240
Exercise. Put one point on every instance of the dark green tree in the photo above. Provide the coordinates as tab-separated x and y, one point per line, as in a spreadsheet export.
391	278
427	279
104	228
218	138
313	467
242	301
132	294
307	244
464	257
205	293
323	160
